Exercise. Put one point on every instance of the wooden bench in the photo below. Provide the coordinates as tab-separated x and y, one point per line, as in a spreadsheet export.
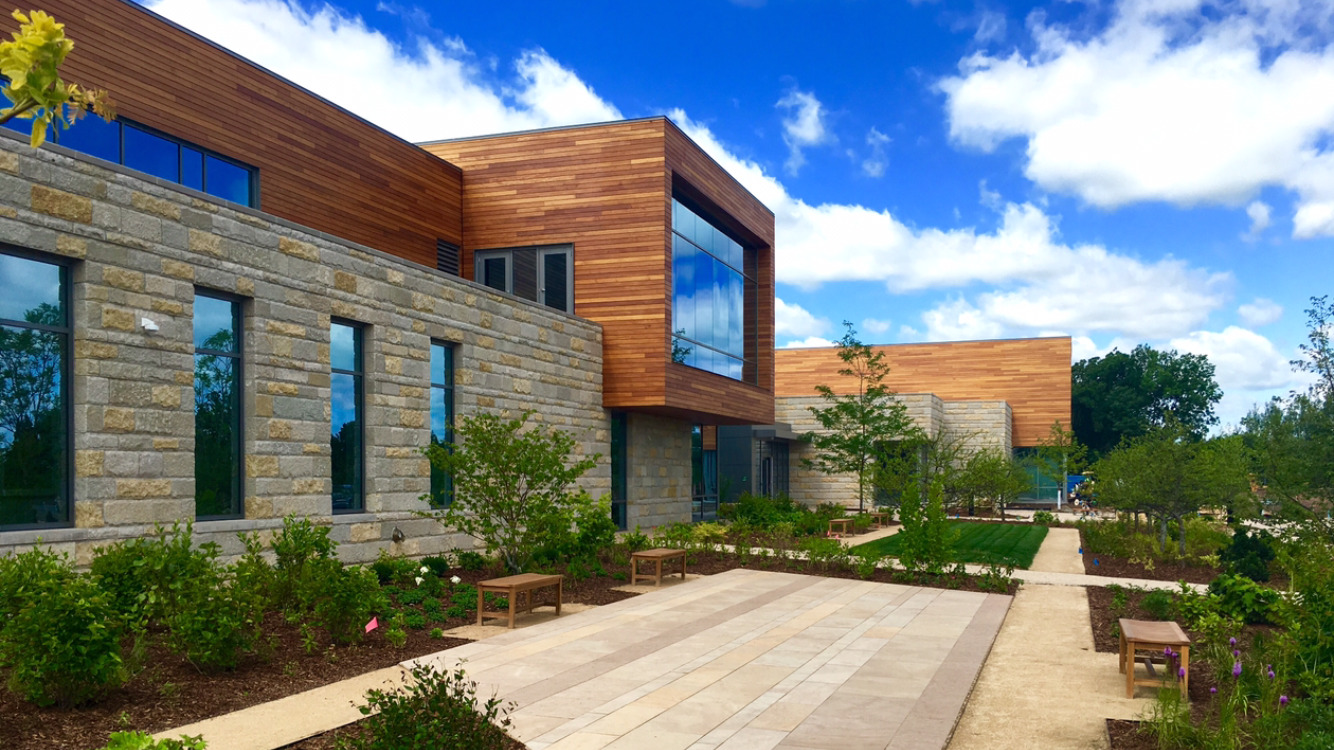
880	519
844	526
655	556
1154	638
512	587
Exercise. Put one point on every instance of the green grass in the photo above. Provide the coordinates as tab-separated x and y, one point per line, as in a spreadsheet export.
1005	543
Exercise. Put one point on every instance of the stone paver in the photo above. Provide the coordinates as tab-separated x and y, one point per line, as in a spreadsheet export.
745	659
1059	553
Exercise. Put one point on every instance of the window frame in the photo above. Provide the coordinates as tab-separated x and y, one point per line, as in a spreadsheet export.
447	385
359	382
685	349
66	491
238	471
540	252
479	263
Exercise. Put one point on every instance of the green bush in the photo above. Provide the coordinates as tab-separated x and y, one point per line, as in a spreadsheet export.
415	620
394	569
437	564
62	646
432	711
1044	517
23	576
823	551
470	560
1244	599
299	544
462	600
1249	554
1159	603
218	620
145	741
675	535
344	599
145	578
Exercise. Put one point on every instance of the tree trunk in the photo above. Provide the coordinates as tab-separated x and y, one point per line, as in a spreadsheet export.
1162	533
1181	541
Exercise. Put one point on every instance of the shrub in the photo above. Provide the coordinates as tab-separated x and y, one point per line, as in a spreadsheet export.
299	544
146	577
1244	599
395	569
432	711
62	646
1249	554
345	599
677	535
145	741
218	619
415	620
927	538
23	576
1158	603
823	551
469	560
636	540
1044	517
437	564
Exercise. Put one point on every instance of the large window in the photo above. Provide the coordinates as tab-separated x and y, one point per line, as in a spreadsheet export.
542	274
703	477
620	467
347	421
442	418
34	392
217	406
157	154
710	285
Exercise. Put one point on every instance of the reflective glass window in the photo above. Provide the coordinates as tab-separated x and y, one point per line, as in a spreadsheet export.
218	429
346	422
34	393
192	168
442	417
93	136
495	273
555	280
708	295
227	181
152	153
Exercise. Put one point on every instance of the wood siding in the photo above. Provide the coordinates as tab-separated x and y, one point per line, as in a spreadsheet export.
606	189
319	166
1032	375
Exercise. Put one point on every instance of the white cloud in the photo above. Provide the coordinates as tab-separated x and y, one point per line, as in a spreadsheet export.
875	164
430	91
794	320
1247	366
1190	102
990	27
808	343
803	126
875	325
1259	212
1260	312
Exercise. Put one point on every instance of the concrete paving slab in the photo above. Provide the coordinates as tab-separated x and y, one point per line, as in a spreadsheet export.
1059	553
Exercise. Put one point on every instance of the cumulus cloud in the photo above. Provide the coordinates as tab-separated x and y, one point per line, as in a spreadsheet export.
803	126
1247	366
426	91
875	325
795	320
990	27
1258	211
1260	312
808	343
875	164
1189	102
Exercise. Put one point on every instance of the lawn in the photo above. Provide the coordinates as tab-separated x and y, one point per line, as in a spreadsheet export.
1011	543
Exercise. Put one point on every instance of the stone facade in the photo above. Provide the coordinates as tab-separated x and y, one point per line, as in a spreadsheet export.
139	248
658	465
980	424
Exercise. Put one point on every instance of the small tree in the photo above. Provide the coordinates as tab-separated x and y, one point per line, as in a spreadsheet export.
31	61
512	485
926	541
1060	454
856	426
995	478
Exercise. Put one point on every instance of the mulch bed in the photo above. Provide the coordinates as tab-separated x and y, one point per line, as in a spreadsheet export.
1125	735
1119	567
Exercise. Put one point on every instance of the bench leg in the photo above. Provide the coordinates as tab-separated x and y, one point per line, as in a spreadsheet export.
657	572
1130	670
683	568
1185	681
480	603
512	597
560	594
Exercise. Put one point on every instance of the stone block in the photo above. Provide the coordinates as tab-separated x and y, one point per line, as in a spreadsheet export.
261	466
298	248
132	281
117	319
143	488
88	515
62	205
118	420
163	209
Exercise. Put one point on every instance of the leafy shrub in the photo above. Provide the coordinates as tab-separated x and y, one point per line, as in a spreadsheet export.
1044	517
431	604
470	560
297	546
861	523
415	620
340	600
1249	554
432	711
676	535
823	551
927	540
411	596
24	576
395	569
437	564
462	600
708	534
146	577
997	578
1158	603
865	561
62	645
145	741
635	540
218	619
1242	598
436	633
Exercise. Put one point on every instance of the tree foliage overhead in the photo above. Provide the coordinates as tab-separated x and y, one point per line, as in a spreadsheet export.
31	62
1122	396
855	426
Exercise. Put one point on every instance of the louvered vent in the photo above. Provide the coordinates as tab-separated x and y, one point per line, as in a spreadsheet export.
447	257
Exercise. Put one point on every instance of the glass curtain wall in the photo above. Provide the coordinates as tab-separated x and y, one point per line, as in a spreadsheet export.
442	418
620	451
703	478
709	290
346	422
218	430
34	393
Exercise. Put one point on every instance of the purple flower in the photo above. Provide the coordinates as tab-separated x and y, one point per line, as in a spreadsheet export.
1213	691
1236	669
1271	674
1283	700
1167	652
1233	643
1181	673
1236	654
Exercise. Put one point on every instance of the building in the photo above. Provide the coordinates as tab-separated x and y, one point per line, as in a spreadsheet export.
988	394
239	302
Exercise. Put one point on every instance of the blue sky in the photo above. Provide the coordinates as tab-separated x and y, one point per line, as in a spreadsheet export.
1120	172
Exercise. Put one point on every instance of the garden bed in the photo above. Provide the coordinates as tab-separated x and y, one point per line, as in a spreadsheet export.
1099	564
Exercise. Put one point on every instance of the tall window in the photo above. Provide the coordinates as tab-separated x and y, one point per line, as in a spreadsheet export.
157	154
541	274
34	392
217	406
710	285
442	417
347	422
619	468
703	477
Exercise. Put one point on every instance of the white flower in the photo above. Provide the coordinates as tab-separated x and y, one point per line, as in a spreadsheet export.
455	579
419	580
425	570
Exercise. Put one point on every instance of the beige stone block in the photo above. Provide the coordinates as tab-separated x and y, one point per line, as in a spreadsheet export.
204	205
400	452
298	248
116	319
364	532
166	444
118	420
282	389
178	270
9	162
345	282
120	278
393	277
245	286
263	406
418	326
167	396
280	429
141	488
184	377
486	320
411	391
411	418
62	205
393	365
523	386
422	302
88	463
74	247
285	329
258	507
308	487
205	242
156	206
168	307
313	449
88	514
261	466
486	402
577	344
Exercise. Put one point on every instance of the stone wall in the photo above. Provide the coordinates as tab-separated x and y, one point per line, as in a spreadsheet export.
140	248
658	458
982	424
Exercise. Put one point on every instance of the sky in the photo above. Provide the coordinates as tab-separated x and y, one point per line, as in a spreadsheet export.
1142	171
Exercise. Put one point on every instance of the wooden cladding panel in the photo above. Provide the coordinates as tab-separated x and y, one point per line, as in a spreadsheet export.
606	189
1032	375
319	166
